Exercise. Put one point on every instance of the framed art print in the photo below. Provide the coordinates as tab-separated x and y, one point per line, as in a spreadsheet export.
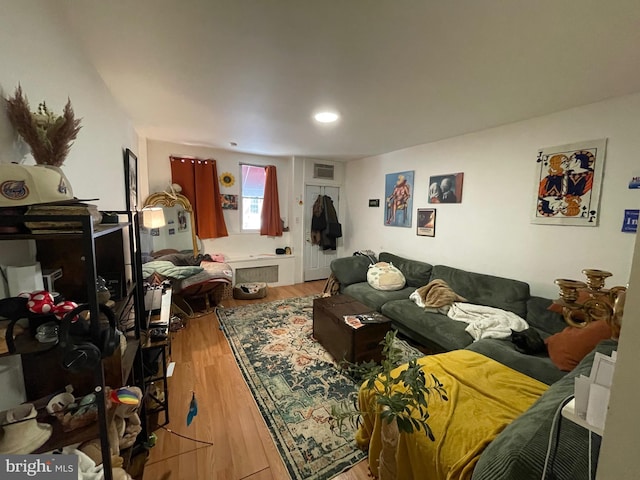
131	180
229	202
446	188
568	180
426	222
398	193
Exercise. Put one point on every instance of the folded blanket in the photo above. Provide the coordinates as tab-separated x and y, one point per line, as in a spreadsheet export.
436	296
168	269
486	322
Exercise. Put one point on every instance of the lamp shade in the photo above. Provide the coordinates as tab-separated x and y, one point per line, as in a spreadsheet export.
153	217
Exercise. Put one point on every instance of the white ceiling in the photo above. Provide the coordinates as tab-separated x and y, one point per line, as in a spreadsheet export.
401	72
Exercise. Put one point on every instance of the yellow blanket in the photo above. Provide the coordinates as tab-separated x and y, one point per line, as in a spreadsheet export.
484	397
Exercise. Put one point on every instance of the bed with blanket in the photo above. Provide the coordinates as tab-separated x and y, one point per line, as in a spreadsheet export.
191	277
484	397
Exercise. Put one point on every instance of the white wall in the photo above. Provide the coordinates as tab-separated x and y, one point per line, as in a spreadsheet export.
237	244
39	53
490	231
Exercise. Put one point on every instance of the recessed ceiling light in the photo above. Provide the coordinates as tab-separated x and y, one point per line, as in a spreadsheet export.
326	117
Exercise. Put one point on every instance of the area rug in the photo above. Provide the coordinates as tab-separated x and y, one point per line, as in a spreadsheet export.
294	382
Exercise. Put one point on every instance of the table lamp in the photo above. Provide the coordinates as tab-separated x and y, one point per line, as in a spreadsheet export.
153	217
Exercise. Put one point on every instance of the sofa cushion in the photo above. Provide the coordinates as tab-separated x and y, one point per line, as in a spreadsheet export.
416	273
350	270
384	276
569	346
486	290
374	298
520	450
433	330
538	366
539	316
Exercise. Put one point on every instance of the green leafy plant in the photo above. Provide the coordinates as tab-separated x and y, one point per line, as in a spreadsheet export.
404	397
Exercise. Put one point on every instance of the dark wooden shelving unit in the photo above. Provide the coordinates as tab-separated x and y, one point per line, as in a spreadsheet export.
98	231
83	252
156	358
129	356
25	344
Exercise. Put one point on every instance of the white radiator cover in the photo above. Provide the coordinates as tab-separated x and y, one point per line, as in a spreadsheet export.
265	266
267	274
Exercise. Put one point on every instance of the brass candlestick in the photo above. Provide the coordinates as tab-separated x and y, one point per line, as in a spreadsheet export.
601	304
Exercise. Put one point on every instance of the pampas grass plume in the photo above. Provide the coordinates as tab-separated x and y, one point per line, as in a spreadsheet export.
50	136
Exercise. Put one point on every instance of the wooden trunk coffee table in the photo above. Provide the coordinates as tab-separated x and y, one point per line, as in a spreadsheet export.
341	340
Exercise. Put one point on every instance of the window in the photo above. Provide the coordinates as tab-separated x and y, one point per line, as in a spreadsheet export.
252	193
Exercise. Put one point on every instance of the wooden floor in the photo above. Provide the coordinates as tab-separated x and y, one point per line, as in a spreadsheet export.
227	414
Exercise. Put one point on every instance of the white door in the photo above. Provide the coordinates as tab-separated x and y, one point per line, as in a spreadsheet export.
317	260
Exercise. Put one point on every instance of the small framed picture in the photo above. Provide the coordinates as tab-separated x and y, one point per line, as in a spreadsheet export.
229	202
131	180
426	222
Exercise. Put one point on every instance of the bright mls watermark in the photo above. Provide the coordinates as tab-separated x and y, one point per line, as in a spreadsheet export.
53	467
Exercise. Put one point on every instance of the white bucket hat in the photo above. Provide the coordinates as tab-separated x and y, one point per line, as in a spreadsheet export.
21	433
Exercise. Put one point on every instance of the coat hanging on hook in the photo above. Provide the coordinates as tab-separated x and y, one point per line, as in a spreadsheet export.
325	228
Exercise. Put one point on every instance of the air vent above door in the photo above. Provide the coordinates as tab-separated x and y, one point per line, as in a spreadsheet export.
323	171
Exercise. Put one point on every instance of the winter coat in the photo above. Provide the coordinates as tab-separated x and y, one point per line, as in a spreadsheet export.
325	228
318	221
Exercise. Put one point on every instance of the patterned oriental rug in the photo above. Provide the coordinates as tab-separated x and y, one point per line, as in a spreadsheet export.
294	382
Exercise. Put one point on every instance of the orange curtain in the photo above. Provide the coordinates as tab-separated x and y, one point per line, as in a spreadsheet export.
270	217
199	182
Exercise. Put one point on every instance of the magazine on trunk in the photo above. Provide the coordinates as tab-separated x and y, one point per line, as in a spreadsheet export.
357	321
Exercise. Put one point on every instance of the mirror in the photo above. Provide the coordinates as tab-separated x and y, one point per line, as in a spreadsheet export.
178	232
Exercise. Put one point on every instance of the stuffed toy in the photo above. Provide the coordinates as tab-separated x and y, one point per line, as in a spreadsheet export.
39	302
62	308
90	462
126	425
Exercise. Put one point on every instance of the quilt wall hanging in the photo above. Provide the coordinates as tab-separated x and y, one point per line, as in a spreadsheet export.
568	180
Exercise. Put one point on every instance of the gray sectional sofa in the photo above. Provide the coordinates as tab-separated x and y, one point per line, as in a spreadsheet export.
518	453
436	331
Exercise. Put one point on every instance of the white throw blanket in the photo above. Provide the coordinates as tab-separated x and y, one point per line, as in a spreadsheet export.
486	322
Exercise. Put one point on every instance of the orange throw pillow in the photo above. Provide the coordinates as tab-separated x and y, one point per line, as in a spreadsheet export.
568	347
